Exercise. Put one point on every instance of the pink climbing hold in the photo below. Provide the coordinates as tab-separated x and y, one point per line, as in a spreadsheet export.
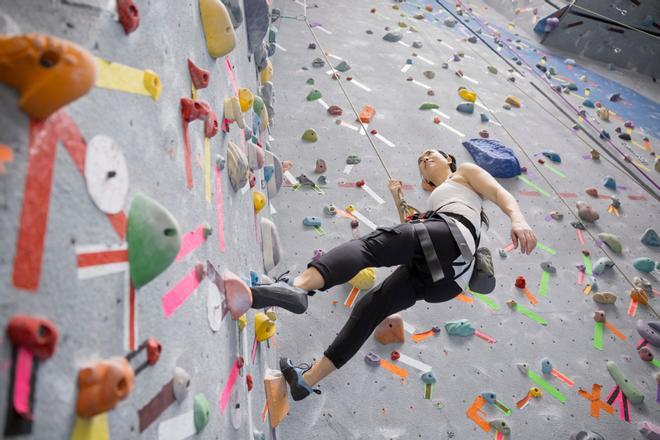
238	294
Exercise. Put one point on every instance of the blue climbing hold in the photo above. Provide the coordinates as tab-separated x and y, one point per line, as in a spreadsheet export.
552	156
461	327
409	61
605	135
650	238
484	117
588	103
268	172
610	183
546	366
255	279
312	221
465	107
614	97
494	157
644	264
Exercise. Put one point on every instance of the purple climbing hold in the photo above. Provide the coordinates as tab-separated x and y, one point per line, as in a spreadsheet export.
649	330
493	156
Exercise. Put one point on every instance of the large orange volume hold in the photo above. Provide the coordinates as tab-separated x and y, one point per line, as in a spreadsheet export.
47	71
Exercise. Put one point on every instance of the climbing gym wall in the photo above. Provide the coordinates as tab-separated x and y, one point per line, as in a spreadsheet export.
537	359
134	166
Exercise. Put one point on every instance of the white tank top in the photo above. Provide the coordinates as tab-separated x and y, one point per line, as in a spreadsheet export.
457	199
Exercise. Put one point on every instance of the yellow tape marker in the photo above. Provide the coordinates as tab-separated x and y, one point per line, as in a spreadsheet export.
128	79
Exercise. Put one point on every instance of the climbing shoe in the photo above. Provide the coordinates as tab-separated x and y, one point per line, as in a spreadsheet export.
294	377
279	294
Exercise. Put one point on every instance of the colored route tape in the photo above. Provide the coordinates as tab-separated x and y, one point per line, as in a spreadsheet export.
548	249
554	392
231	380
401	372
543	284
486	300
534	186
156	406
123	78
22	379
531	315
95	428
555	170
598	336
587	264
191	241
178	294
350	299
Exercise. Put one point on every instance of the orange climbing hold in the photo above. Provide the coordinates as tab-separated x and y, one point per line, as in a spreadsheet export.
367	114
48	72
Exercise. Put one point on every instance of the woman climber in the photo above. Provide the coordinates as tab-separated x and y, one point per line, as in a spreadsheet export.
453	228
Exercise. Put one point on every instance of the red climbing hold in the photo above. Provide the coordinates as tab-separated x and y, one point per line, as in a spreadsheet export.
249	382
129	16
192	110
200	77
520	282
395	355
360	183
541	161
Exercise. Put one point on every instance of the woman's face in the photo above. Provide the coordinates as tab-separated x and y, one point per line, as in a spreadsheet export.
434	167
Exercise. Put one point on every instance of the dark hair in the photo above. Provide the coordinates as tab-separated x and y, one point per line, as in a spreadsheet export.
452	166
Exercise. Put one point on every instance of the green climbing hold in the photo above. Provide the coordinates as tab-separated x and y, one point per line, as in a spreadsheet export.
343	67
353	159
465	107
612	241
461	327
588	103
492	69
201	412
484	117
552	71
644	264
310	81
272	34
153	239
314	95
631	392
571	86
428	106
310	135
258	105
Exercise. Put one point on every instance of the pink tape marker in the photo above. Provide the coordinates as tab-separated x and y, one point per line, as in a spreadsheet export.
485	337
580	236
563	378
178	294
191	241
254	351
509	247
226	393
221	223
22	382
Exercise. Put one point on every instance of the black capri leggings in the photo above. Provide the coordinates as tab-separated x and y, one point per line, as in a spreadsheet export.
409	283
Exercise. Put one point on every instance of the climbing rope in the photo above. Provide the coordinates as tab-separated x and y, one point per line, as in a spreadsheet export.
547	181
604	17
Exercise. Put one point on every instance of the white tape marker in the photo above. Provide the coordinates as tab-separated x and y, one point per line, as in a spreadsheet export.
452	129
385	140
474	81
177	428
414	363
348	168
403	44
358	215
446	45
422	85
324	30
408	327
426	60
438	112
291	178
360	85
323	103
373	195
280	47
406	68
347	125
330	55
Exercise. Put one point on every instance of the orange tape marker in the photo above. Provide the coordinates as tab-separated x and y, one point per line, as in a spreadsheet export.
351	297
401	372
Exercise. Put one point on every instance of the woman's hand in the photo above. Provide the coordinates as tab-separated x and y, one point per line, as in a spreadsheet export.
396	188
523	234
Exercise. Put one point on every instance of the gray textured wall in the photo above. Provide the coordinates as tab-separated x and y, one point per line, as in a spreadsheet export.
90	313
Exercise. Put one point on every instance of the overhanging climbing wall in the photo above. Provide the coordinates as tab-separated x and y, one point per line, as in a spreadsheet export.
149	349
557	320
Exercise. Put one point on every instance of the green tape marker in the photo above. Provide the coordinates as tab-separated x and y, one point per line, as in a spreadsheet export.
319	230
525	311
534	186
543	285
656	363
598	336
555	170
546	248
484	298
554	392
587	264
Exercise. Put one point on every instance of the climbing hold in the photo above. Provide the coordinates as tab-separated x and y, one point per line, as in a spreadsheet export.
500	425
310	135
129	15
428	106
614	97
430	92
556	215
273	172
548	267
153	239
199	77
180	383
232	110
237	165
444	65
572	86
604	297
310	81
588	103
259	201
270	244
465	107
610	183
643	285
218	29
546	366
364	279
553	156
372	359
512	101
436	119
353	159
520	282
390	330
650	238
200	412
506	107
330	210
625	136
649	330
314	95
593	192
48	72
256	156
484	117
318	62
502	253
318	253
393	37
595	155
601	264
245	99
264	326
461	327
612	241
603	114
237	294
395	355
417	44
320	166
644	264
586	212
631	392
235	12
599	316
335	110
467	94
579	225
366	114
645	354
101	385
586	435
523	367
429	378
312	221
493	156
343	67
484	134
449	22
429	74
648	429
266	75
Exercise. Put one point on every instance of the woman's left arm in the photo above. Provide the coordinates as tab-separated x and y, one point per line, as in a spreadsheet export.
489	188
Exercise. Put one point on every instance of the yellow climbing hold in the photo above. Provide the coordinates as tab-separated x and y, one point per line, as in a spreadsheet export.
466	94
264	326
364	280
218	30
152	84
242	322
259	201
512	101
266	74
246	98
